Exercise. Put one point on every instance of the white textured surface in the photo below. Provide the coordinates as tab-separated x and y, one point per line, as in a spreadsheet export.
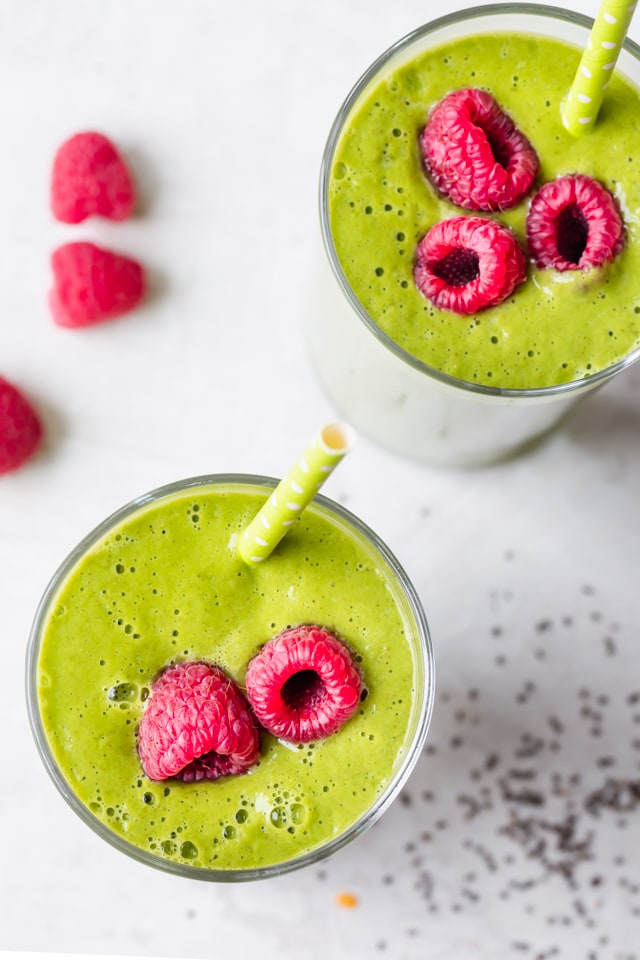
528	572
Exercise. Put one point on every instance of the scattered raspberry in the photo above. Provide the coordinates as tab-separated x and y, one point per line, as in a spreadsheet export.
303	685
197	725
90	178
475	154
92	284
20	428
574	224
465	264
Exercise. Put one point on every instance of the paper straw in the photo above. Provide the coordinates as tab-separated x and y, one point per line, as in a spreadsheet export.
295	492
580	108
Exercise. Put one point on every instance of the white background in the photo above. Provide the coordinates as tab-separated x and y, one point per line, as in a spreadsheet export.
528	571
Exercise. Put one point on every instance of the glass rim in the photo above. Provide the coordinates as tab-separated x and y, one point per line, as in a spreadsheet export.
423	663
544	12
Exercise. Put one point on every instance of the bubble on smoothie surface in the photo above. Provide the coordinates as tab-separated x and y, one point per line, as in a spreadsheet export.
123	692
282	811
188	850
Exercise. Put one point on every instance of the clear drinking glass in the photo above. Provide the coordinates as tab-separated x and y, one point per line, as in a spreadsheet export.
67	769
386	393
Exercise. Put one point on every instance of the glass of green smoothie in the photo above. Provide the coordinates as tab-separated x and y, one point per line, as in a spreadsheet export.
423	381
161	582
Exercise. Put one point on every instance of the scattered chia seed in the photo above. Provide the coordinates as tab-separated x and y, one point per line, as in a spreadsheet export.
523	815
538	812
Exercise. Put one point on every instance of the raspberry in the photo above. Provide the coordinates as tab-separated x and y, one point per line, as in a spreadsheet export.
467	263
304	684
92	284
90	178
20	428
475	154
574	224
197	725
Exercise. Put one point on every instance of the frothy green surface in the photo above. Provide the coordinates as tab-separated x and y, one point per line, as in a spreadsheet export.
556	327
168	585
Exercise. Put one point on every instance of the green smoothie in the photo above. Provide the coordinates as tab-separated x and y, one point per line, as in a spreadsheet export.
556	327
165	584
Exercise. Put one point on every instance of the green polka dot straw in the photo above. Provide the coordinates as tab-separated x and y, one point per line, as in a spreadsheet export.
295	492
580	108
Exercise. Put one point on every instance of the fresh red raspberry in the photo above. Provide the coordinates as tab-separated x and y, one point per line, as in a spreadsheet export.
20	429
90	178
475	154
92	284
465	264
574	224
304	684
197	725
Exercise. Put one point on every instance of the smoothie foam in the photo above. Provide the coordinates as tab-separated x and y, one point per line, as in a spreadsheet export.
555	328
166	583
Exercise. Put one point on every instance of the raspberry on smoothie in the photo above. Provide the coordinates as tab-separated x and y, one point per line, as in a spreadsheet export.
196	725
304	684
465	264
475	154
574	224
